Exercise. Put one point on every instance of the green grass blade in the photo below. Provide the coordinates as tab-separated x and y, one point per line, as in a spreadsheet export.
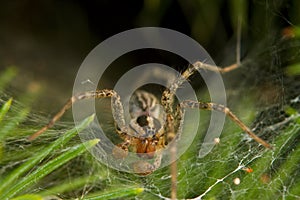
116	194
13	176
49	167
29	197
13	123
4	109
69	185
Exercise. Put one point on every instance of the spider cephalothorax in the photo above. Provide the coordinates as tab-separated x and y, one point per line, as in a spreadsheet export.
144	126
145	131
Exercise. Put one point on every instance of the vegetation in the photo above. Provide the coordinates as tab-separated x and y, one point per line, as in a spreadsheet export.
59	165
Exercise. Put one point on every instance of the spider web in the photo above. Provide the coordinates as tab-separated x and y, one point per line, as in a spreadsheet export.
275	118
275	172
267	100
239	168
262	96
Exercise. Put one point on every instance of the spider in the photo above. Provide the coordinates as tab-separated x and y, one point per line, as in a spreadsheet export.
148	132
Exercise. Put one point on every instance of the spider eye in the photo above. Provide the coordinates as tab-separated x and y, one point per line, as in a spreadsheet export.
142	120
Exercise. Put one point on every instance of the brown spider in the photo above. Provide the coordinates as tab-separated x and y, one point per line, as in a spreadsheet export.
148	131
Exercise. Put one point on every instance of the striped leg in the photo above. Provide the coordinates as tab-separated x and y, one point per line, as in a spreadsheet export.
117	109
225	110
168	95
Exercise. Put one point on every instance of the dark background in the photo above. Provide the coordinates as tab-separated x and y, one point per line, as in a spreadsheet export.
48	40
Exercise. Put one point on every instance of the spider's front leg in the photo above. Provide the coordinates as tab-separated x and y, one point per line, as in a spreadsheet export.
121	150
117	108
167	99
225	110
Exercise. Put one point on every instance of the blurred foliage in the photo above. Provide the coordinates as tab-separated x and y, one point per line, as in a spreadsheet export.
58	166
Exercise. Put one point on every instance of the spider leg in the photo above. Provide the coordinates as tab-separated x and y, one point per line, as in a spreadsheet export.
167	101
171	136
144	168
168	95
200	65
225	110
173	168
117	110
121	150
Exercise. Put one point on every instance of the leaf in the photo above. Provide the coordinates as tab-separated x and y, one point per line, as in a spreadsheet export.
13	123
29	197
4	109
